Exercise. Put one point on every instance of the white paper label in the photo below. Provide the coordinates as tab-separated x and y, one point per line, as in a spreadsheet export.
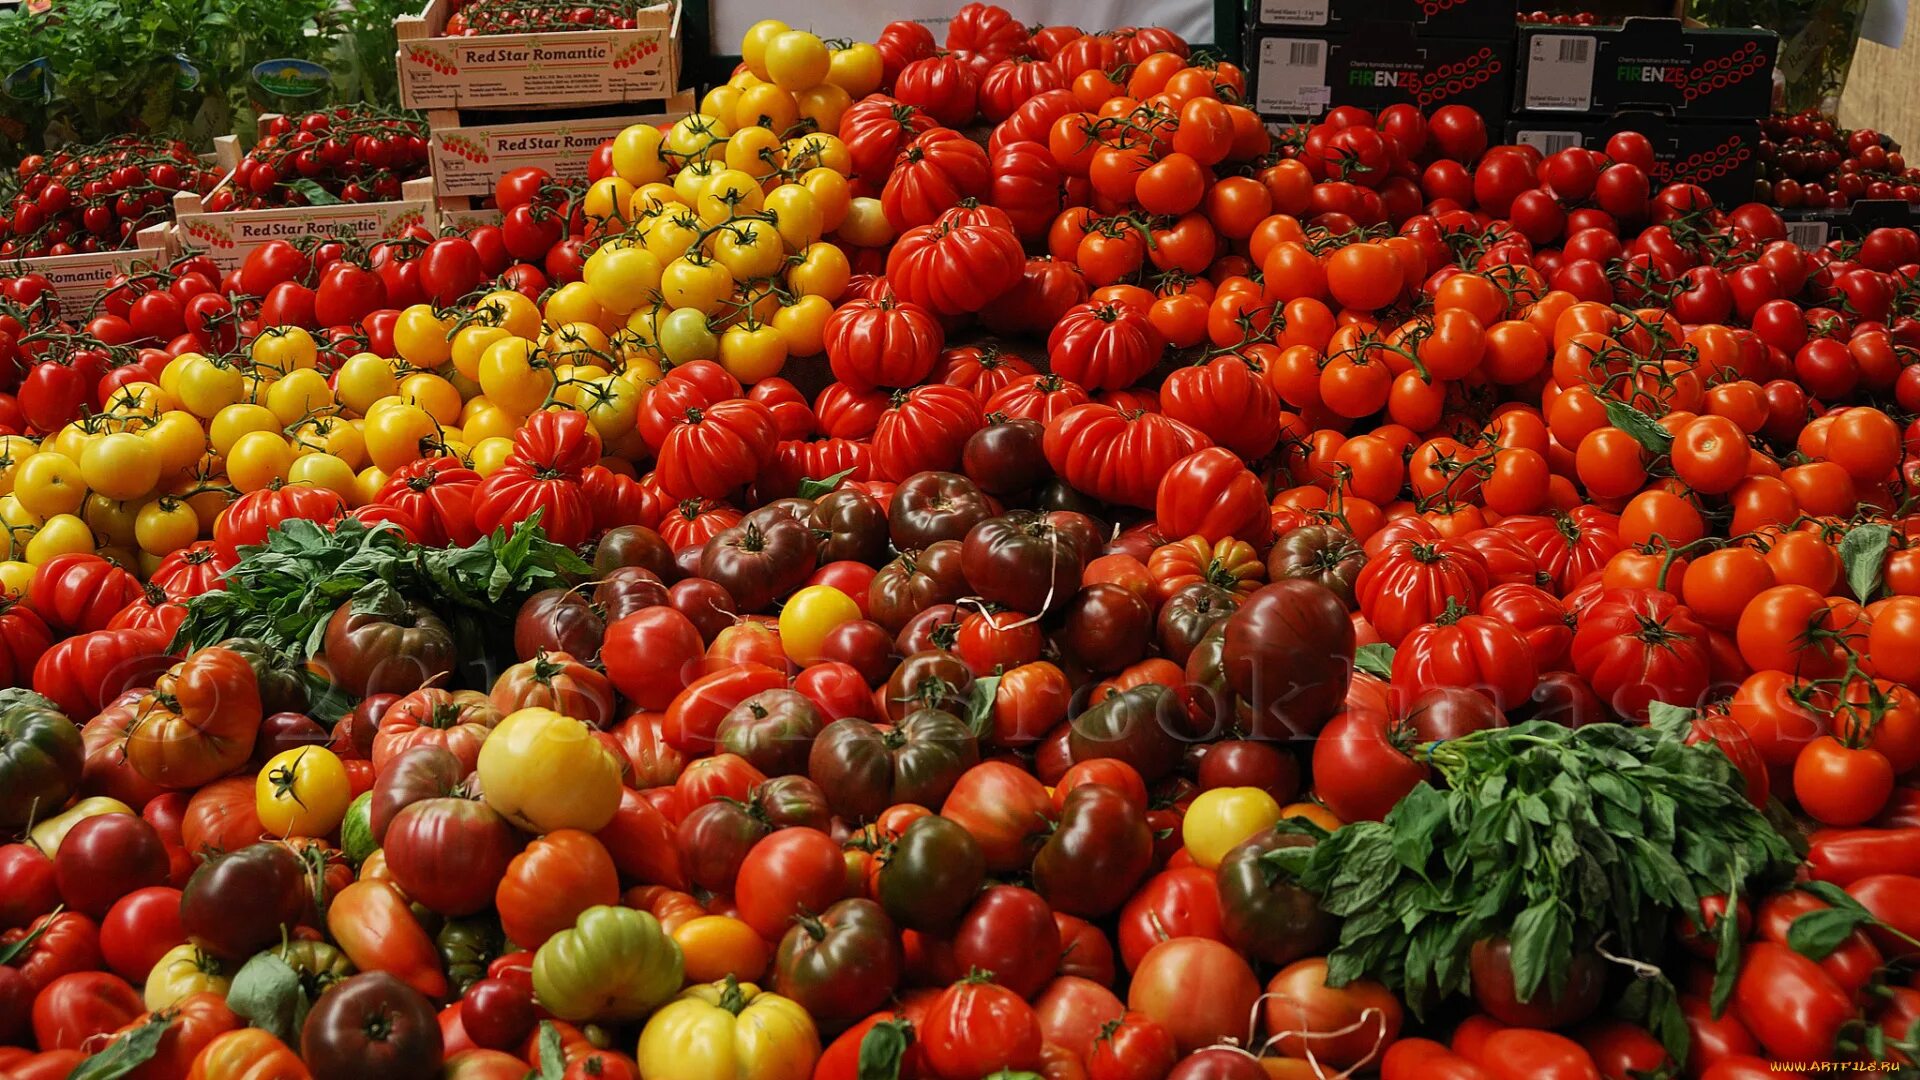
1293	12
1548	142
1293	76
1560	72
1807	235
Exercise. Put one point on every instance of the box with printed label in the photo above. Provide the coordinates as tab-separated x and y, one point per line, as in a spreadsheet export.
1812	229
572	67
1449	18
228	236
468	156
78	280
1722	157
1657	64
1301	77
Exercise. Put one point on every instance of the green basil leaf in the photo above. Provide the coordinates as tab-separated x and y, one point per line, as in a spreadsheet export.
1375	659
882	1049
980	706
553	1053
1817	934
1863	552
315	194
126	1052
1645	429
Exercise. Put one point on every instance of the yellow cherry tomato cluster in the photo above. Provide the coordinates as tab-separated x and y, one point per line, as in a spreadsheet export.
712	231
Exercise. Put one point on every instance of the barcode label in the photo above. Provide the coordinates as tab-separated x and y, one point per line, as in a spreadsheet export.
1807	235
1293	12
1560	73
1548	143
1292	77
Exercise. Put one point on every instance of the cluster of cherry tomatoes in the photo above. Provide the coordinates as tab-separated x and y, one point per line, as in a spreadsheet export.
477	17
95	198
345	153
1810	161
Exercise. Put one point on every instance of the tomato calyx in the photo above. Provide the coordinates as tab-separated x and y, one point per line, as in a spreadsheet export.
284	779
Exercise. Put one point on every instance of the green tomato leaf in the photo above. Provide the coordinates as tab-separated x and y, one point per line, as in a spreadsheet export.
1375	660
1645	429
980	706
267	992
1726	956
882	1049
553	1053
1817	934
127	1052
814	489
1863	551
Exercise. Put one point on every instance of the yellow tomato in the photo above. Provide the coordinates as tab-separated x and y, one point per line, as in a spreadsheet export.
302	792
258	459
728	194
809	616
767	106
324	471
685	337
481	419
649	202
63	534
577	344
697	283
1220	819
491	453
17	526
179	440
205	386
281	349
235	421
399	434
797	60
803	324
573	302
470	343
365	378
823	105
696	138
689	183
752	353
133	406
608	199
516	375
47	484
754	151
432	393
165	524
330	435
181	971
367	484
716	946
728	1031
544	771
423	338
611	404
16	577
796	214
857	69
621	279
831	193
720	101
749	248
14	449
754	43
866	224
300	393
510	309
120	466
636	154
814	150
822	271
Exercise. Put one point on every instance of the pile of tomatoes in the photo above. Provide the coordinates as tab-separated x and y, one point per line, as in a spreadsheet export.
345	153
95	198
477	17
999	549
1810	161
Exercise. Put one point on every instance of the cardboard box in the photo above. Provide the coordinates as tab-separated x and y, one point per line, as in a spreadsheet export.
541	71
1720	156
1656	64
1442	18
468	157
1301	77
229	235
78	280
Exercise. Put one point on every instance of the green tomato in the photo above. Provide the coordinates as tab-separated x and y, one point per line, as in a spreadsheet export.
616	965
356	829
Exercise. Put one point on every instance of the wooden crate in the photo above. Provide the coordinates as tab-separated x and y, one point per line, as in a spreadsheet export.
80	279
580	67
468	154
229	235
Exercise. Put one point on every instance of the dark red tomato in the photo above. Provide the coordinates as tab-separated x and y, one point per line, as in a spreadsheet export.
106	857
1010	932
